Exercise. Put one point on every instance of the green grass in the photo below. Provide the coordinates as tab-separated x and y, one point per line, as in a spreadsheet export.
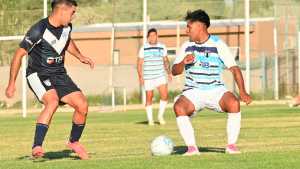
269	139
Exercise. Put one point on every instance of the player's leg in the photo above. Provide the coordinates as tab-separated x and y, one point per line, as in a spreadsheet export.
50	101
149	109
163	91
78	101
183	109
149	87
230	104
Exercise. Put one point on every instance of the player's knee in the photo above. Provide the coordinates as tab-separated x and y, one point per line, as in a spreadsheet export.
149	100
234	106
179	109
52	104
149	96
82	108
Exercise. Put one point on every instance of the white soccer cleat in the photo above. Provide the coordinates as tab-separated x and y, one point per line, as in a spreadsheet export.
150	123
161	121
232	149
192	150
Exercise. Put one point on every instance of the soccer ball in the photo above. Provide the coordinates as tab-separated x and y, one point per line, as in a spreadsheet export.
161	146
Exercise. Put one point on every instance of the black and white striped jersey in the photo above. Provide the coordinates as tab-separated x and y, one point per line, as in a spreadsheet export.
46	46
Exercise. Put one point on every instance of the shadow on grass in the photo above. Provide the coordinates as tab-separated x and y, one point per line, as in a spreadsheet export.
182	149
146	122
142	122
55	155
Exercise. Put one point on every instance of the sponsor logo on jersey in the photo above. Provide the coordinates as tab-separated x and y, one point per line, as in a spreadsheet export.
202	64
52	60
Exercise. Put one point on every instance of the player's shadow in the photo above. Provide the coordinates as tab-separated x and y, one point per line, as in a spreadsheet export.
183	149
146	122
54	155
142	122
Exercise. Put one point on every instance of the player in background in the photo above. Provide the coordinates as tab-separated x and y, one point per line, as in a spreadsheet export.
203	59
46	43
154	72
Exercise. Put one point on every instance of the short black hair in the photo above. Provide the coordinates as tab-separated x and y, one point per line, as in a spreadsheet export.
198	15
54	3
151	30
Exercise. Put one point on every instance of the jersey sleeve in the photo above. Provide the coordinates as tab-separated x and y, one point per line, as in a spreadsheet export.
32	37
226	55
141	52
182	53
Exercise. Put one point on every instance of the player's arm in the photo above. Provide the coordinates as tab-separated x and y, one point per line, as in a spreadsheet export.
14	69
73	50
230	63
167	67
238	77
178	67
167	64
30	40
140	63
181	60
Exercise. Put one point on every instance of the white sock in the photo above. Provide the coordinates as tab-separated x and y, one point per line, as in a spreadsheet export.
162	108
149	113
186	130
233	127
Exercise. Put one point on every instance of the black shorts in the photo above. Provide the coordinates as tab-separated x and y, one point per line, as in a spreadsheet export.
40	84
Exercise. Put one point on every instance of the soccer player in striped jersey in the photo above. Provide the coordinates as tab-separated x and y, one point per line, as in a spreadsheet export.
203	59
154	72
46	43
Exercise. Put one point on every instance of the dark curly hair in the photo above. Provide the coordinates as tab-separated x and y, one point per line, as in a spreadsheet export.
198	15
151	30
54	3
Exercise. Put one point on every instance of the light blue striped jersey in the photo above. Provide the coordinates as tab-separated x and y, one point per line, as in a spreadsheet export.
153	56
211	58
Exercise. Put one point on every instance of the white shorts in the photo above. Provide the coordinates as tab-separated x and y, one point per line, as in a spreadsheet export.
154	83
206	99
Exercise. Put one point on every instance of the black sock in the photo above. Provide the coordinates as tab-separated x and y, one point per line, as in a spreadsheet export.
76	132
40	133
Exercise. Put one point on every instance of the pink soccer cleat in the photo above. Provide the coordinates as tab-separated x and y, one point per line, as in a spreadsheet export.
37	152
78	149
232	149
192	150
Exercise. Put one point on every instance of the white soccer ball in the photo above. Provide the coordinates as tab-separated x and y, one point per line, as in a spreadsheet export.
162	145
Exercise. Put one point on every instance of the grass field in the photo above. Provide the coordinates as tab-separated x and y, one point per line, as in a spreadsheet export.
270	139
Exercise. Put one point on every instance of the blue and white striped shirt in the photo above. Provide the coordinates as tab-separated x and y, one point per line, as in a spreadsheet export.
211	58
153	56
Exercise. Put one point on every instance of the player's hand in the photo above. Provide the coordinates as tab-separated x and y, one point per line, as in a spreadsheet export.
189	59
88	61
170	77
141	81
10	90
245	97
